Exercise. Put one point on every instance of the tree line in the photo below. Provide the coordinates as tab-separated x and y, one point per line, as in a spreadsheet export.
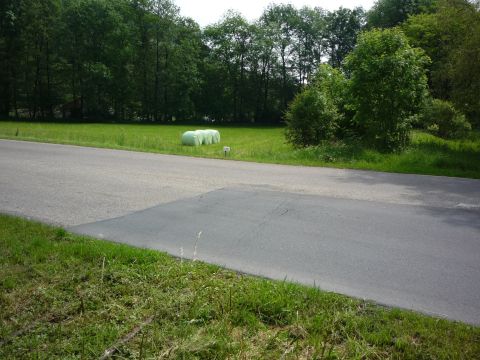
141	60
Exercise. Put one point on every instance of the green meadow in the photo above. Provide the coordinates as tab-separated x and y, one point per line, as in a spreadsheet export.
426	155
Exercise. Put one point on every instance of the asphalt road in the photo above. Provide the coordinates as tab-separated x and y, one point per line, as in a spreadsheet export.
404	240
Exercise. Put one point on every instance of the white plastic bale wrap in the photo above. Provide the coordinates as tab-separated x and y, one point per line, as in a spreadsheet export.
191	138
199	134
215	135
205	136
208	140
201	137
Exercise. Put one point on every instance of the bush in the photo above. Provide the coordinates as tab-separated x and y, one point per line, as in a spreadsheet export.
442	119
311	118
333	83
387	87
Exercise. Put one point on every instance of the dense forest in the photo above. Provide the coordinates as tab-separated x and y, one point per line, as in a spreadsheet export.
140	60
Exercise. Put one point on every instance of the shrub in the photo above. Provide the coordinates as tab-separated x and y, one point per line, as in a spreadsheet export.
333	83
311	118
442	119
387	87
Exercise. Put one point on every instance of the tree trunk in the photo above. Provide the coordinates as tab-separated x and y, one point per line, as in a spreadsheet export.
165	85
36	86
266	87
157	71
241	112
235	92
284	79
49	93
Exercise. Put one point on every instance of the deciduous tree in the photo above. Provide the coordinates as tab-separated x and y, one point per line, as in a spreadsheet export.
388	85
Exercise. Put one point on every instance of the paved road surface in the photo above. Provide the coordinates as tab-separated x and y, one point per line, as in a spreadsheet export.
404	240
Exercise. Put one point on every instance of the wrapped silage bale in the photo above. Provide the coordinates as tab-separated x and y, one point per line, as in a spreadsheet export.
199	134
215	135
208	139
191	138
205	136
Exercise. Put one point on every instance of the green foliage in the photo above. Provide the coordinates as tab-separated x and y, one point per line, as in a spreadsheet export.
282	20
389	13
140	60
450	37
333	83
230	42
311	118
465	72
342	29
388	85
442	119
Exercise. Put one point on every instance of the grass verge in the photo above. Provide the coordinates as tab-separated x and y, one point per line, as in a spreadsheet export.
427	154
66	296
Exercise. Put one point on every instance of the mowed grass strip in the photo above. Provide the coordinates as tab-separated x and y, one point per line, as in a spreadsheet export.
427	154
66	296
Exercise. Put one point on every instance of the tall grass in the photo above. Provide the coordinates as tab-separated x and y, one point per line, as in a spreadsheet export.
65	296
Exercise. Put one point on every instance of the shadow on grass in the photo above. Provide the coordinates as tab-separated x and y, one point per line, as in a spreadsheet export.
429	156
459	156
331	152
454	200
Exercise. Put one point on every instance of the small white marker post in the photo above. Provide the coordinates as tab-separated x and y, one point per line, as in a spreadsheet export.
226	150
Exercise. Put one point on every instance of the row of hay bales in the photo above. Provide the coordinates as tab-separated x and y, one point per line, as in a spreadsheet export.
201	137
